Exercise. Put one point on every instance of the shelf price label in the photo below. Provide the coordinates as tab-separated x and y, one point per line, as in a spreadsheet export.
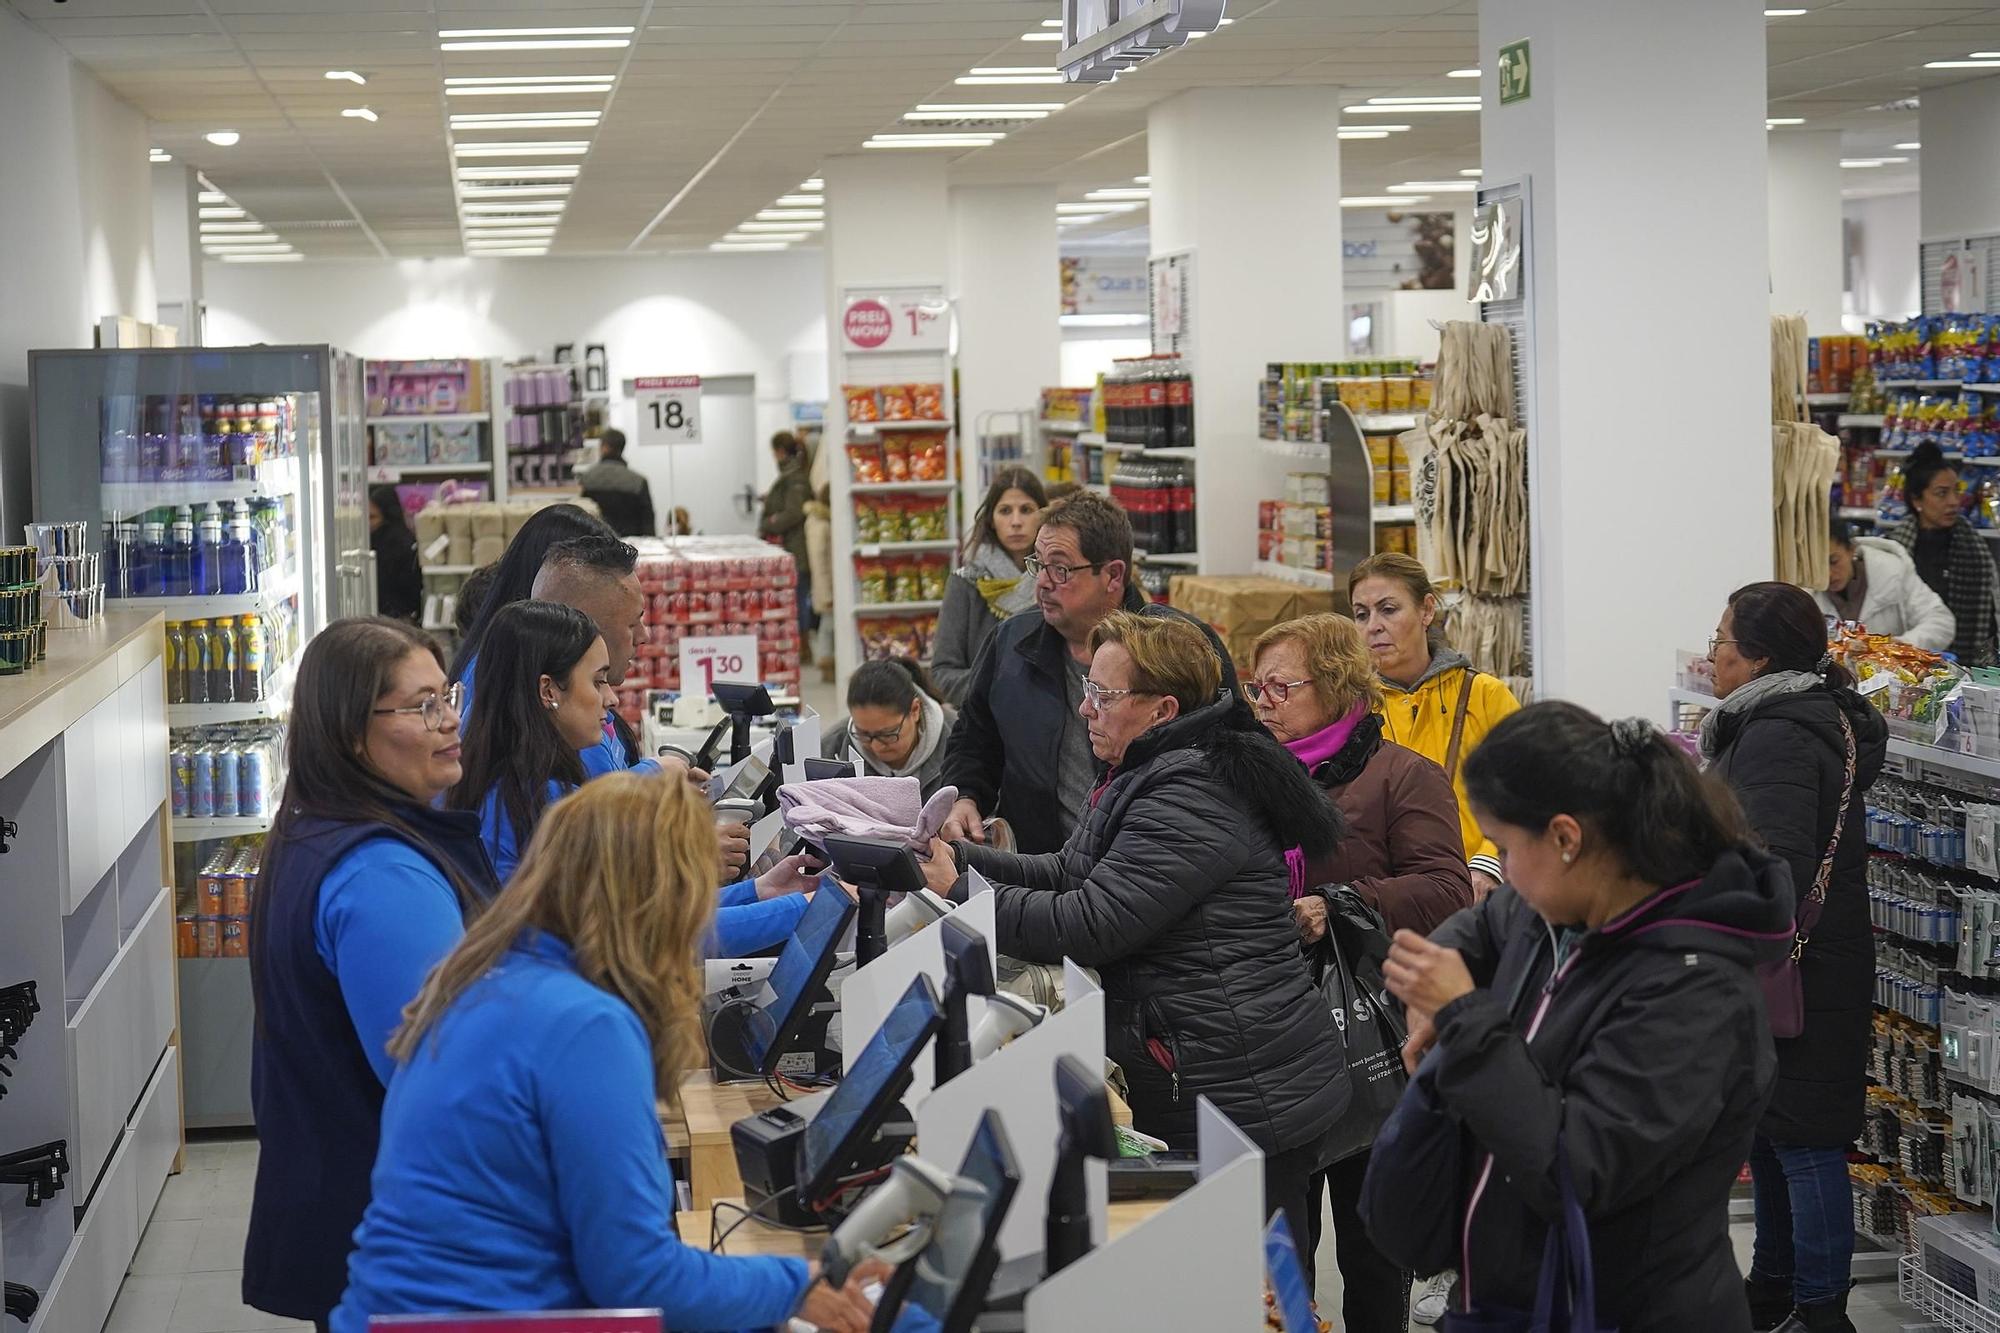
708	658
669	409
911	320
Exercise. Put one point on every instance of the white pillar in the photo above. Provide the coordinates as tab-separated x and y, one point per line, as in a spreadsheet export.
887	225
1248	180
177	249
1807	227
1006	286
1648	247
1960	189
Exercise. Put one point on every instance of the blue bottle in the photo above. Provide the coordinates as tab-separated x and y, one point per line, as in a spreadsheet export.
239	575
148	559
207	576
177	579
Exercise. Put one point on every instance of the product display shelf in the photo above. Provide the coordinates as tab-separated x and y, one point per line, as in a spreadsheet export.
89	920
207	830
920	487
1861	420
1054	427
276	704
277	586
1192	559
896	608
432	418
1863	513
1305	578
276	479
1980	388
1905	453
1826	399
478	378
392	473
868	430
1930	1294
1921	384
866	549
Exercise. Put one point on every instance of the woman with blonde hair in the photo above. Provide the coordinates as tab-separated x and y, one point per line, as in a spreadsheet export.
522	1166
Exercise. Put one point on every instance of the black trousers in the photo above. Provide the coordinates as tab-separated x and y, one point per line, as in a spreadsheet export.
1375	1294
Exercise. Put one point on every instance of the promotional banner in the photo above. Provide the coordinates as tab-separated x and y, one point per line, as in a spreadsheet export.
911	319
669	409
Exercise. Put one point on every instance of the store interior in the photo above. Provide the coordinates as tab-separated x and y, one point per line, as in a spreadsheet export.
1299	264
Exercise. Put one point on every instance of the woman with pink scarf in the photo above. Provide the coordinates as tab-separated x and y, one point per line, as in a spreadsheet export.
1315	689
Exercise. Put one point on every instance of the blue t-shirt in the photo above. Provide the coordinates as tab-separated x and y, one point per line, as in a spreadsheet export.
523	1168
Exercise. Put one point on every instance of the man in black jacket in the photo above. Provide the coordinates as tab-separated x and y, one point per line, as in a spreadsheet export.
622	495
1020	748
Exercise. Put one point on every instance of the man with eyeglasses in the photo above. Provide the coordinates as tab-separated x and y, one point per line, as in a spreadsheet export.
1021	749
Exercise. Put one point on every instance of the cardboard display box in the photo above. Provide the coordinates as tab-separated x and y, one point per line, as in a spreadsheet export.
1243	606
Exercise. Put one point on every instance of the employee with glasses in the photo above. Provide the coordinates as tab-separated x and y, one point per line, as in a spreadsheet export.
1021	748
366	886
895	724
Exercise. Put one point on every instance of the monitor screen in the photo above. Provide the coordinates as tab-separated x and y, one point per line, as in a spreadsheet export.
873	1081
802	968
1288	1278
945	1285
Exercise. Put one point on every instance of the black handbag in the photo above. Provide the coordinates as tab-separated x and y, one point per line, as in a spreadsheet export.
1367	1019
1565	1295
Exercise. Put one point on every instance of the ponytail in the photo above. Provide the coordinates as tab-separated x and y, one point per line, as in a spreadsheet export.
1624	781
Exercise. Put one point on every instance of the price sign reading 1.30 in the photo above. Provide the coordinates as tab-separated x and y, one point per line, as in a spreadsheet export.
706	659
669	409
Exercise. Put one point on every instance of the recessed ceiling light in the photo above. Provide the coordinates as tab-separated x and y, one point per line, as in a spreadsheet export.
557	172
932	141
1461	74
790	214
478	220
555	44
223	138
1100	206
554	148
513	191
741	237
1361	134
1421	101
1120	192
231	226
515	251
536	32
530	120
525	206
1079	221
799	201
749	245
1410	108
1434	187
1472	171
1382	200
990	80
813	185
573	80
781	226
976	115
1962	64
347	75
1783	13
1860	163
1909	147
231	245
1142	180
994	71
360	113
1773	122
158	155
1041	36
1052	23
211	197
222	213
988	108
262	259
510	234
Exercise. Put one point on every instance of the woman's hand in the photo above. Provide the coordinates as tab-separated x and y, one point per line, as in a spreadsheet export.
1482	884
965	821
732	843
836	1309
1423	1036
797	873
1424	976
1309	914
941	871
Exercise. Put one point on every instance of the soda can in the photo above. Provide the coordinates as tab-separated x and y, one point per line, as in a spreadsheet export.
253	782
208	937
235	939
235	895
208	895
228	776
182	771
186	942
201	788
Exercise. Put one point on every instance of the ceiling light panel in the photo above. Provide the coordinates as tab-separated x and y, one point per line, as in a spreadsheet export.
524	206
790	214
556	172
222	213
1461	74
553	44
1383	200
749	245
1413	101
345	76
360	113
513	191
1434	187
781	226
536	32
573	80
1410	108
553	148
1361	134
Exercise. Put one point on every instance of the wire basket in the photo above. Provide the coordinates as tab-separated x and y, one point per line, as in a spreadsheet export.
1934	1297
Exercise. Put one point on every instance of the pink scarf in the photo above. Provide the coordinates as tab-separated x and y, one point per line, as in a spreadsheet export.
1312	751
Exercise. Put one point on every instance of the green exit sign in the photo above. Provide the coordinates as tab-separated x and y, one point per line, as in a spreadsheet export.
1515	79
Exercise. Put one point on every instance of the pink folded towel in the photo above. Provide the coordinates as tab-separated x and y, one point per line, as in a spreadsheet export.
866	808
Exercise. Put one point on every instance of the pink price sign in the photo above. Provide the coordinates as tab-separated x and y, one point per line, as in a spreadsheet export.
708	658
895	321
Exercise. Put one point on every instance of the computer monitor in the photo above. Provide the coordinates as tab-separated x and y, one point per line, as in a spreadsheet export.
819	770
799	977
1287	1276
944	1286
742	703
1083	1108
837	1138
968	971
877	867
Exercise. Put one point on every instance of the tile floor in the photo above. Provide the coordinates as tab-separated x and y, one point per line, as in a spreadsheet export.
187	1276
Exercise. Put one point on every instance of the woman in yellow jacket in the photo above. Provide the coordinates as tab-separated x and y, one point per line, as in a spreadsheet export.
1434	702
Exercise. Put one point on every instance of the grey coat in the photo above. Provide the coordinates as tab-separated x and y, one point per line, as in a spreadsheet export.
963	627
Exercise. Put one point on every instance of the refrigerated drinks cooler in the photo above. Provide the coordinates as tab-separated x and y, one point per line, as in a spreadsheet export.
228	488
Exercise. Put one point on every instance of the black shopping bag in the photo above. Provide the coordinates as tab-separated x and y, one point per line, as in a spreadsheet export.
1366	1018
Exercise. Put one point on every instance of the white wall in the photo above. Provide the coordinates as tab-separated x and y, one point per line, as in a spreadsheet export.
1960	189
75	225
1883	280
701	314
1006	281
1805	227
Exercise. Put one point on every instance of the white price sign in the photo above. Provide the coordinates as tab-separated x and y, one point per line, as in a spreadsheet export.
706	659
916	320
669	409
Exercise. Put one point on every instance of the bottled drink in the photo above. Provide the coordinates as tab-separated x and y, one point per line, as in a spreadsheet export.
149	562
221	655
250	659
1180	404
194	662
239	575
1154	384
176	651
177	578
206	580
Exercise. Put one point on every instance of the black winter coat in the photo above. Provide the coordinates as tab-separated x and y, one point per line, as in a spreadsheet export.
1785	760
1174	886
1647	1049
1008	742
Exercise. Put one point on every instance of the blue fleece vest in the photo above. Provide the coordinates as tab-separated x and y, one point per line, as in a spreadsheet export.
317	1101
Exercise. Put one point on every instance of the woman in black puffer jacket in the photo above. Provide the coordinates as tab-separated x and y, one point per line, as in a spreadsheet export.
1175	887
1777	740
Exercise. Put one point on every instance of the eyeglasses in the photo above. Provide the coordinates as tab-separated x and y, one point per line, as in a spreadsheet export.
1097	696
1058	574
887	736
433	707
1717	642
1279	690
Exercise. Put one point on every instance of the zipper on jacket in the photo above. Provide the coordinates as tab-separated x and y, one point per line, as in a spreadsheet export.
1174	1045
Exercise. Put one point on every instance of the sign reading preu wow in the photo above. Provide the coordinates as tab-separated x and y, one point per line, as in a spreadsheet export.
669	409
912	320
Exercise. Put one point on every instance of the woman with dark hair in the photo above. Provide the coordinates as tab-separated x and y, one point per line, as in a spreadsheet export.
514	576
895	722
399	581
366	886
1873	582
1950	554
1800	748
1591	1028
543	694
784	518
991	585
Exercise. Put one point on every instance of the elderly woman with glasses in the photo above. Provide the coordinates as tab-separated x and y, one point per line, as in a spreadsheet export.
1316	691
896	724
1174	886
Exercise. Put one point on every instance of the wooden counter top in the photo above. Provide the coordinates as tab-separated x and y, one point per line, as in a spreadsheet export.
754	1238
84	668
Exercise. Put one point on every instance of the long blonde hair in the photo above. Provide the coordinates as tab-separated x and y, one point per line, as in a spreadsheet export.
623	871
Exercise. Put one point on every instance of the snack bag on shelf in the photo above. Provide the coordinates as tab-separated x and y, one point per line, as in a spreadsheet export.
927	401
867	520
934	573
867	463
931	523
861	403
898	402
906	583
875	638
873	578
930	457
892	519
896	458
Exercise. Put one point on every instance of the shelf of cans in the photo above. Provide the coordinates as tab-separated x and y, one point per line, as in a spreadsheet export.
155	440
711	586
215	895
23	630
1293	396
225	772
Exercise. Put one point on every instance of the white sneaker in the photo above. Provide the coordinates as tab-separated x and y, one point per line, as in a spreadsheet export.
1430	1304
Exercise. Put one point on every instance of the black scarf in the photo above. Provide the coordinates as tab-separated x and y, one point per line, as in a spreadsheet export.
1353	755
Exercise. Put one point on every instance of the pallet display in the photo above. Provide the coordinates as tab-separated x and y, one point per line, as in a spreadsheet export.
713	587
